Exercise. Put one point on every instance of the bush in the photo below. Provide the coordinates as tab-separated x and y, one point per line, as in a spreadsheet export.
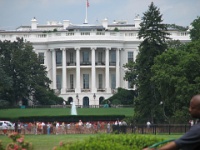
112	142
17	143
116	102
4	103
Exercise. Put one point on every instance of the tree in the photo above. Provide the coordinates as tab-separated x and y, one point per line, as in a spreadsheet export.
174	44
176	74
21	64
5	83
123	96
195	30
152	29
154	35
5	80
176	27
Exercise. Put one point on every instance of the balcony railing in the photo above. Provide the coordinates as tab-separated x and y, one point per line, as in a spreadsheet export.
99	63
58	64
112	63
85	63
85	90
101	90
70	90
71	63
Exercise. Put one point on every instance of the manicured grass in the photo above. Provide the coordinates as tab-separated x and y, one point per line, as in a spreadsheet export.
47	142
13	113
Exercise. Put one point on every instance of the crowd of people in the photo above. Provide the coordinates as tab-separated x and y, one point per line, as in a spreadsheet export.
64	127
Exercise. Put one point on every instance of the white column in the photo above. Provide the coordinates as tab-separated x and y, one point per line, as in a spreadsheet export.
117	69
93	72
54	68
107	74
47	60
78	77
64	72
135	53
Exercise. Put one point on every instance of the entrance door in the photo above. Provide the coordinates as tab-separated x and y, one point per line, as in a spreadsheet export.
70	99
101	100
85	102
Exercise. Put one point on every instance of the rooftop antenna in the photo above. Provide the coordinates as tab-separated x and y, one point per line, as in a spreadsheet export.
87	5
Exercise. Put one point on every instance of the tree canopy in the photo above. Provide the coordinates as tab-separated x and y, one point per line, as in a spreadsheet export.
25	76
166	81
122	97
154	35
176	74
152	30
195	30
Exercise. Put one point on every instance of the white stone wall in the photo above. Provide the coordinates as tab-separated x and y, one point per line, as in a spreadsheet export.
125	41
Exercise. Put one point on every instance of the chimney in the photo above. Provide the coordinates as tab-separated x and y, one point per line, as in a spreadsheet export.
105	23
33	24
137	21
66	24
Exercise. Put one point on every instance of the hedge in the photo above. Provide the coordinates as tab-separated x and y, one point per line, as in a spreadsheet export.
70	118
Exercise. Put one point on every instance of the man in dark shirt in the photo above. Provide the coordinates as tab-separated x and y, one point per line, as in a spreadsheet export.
191	139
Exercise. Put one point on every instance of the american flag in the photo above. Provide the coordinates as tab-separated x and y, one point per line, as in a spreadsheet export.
88	4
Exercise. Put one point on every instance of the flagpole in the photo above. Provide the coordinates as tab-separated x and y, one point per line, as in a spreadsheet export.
86	5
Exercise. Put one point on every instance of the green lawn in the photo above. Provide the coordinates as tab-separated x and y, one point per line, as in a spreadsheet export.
13	113
47	142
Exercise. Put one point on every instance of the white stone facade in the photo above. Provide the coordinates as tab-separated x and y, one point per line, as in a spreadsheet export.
85	62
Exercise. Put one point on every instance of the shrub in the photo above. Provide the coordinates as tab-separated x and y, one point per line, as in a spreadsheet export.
1	146
4	103
18	143
111	142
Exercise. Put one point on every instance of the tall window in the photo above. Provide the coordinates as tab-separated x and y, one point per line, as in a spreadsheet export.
85	81
100	56
58	81
71	57
130	57
58	57
113	81
100	81
85	56
130	86
112	56
41	58
71	81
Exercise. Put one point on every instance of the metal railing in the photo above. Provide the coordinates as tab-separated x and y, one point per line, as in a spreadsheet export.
159	129
73	128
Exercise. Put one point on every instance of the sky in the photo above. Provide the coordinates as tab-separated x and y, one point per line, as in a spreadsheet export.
14	13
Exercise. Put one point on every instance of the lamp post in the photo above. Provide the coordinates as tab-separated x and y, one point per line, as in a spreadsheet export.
164	114
77	98
94	96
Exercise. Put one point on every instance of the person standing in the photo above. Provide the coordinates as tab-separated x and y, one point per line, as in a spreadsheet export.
148	124
64	104
48	128
16	126
63	128
191	139
80	124
19	127
57	127
191	123
108	127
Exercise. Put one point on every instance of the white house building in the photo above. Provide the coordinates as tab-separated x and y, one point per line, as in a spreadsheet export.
85	62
